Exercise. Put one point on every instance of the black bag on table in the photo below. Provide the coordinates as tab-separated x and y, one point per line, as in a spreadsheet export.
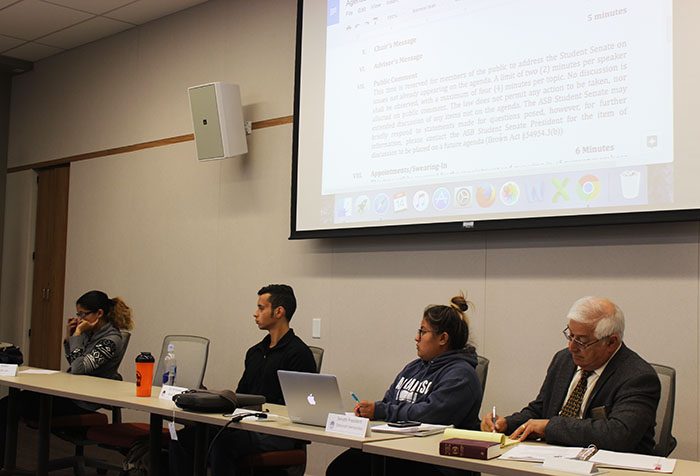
216	401
10	354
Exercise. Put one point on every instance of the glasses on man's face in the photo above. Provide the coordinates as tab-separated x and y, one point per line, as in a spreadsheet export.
581	345
82	314
422	332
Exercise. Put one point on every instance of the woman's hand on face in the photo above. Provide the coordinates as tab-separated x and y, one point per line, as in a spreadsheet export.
85	326
71	326
365	409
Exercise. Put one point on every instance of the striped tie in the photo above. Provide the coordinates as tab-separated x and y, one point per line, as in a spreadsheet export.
573	404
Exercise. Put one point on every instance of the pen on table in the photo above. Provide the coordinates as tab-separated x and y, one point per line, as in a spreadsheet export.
493	418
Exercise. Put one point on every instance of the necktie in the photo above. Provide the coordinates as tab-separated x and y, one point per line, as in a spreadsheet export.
573	404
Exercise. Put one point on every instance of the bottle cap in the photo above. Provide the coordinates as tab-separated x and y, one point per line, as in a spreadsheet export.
145	357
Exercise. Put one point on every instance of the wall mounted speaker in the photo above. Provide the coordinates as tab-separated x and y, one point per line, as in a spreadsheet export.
217	118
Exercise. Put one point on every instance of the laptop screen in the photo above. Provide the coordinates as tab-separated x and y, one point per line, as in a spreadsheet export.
310	397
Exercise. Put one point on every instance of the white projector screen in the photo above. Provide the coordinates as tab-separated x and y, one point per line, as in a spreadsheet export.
441	115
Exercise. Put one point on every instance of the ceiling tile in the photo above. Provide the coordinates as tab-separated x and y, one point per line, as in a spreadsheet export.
32	19
143	11
98	7
32	52
56	25
6	43
85	32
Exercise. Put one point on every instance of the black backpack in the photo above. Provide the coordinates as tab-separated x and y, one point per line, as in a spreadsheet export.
10	354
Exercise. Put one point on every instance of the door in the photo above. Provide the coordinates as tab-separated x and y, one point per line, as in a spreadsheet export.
46	330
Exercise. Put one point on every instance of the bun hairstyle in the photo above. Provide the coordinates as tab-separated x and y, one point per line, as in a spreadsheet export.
451	319
461	304
115	309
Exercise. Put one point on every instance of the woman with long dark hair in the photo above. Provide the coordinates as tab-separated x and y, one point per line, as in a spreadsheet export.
93	346
93	342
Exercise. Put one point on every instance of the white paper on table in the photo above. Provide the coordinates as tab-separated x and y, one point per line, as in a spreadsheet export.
538	453
611	459
569	465
8	370
39	371
168	391
634	461
423	427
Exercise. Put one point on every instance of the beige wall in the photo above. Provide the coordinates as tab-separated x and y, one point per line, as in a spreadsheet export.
17	271
188	244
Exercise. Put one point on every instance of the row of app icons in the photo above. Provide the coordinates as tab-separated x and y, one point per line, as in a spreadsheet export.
587	188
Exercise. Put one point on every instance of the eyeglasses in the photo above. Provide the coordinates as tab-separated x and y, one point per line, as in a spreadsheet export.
82	314
422	332
581	345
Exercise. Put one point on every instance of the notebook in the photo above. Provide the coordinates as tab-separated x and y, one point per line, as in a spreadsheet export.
310	397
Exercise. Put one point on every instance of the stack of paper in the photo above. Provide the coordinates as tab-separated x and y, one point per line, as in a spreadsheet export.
424	429
610	459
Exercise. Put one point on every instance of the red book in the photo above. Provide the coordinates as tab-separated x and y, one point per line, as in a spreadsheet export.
470	448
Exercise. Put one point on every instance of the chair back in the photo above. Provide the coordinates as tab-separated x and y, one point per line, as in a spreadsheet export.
318	357
482	370
665	442
126	337
191	353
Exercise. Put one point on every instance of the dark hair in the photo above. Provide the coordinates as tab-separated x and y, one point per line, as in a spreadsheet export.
281	295
115	309
451	319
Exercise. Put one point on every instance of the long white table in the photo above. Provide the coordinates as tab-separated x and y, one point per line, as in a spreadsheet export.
79	387
426	450
123	394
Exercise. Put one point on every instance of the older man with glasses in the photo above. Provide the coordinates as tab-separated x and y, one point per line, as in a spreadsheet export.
597	391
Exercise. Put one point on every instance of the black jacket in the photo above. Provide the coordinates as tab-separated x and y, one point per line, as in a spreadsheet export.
620	412
263	362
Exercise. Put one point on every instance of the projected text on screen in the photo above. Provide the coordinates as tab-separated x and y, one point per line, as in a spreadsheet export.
431	107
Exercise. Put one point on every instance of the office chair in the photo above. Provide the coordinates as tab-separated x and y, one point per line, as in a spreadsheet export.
482	370
665	442
284	462
318	357
192	353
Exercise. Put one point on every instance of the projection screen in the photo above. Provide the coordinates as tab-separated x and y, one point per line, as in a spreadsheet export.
449	115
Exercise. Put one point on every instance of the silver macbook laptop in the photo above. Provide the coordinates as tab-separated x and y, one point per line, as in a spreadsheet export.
310	397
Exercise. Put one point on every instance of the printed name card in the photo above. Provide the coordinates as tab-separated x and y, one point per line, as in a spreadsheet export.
168	391
570	465
8	370
347	425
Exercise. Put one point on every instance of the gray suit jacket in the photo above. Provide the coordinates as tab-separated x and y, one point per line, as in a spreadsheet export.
620	413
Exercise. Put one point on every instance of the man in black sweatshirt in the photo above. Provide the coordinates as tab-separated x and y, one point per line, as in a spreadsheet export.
281	349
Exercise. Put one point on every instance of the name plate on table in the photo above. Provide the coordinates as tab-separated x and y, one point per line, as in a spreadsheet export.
570	465
8	370
347	425
168	391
